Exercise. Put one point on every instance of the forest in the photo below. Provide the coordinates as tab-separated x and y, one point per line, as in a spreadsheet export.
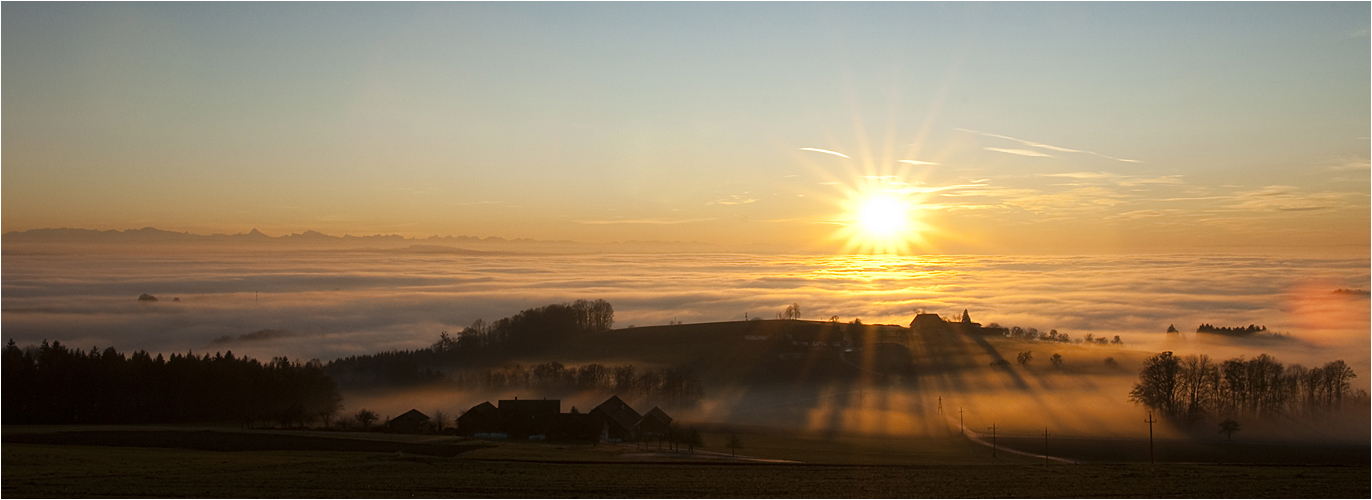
53	384
1187	389
1236	331
481	344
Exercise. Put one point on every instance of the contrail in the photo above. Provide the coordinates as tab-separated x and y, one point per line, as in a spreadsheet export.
825	151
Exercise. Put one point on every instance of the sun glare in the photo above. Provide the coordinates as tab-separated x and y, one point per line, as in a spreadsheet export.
883	216
880	223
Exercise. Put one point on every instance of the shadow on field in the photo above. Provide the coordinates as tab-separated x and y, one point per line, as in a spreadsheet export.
237	441
1219	452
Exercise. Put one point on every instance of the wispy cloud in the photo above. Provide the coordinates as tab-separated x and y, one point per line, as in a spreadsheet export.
1042	146
1285	199
917	162
732	200
825	151
1021	152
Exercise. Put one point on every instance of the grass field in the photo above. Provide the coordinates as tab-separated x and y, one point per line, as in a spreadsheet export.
837	467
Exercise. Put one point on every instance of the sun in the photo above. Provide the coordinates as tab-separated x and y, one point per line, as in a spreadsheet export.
883	216
881	222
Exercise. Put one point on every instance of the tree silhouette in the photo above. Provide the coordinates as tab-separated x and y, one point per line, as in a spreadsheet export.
1025	357
440	420
792	312
365	418
1228	427
693	439
734	443
1157	385
1056	360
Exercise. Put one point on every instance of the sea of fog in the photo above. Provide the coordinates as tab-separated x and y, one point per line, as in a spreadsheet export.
327	304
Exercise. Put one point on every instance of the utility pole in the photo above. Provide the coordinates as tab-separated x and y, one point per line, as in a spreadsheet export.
993	440
940	405
1045	446
1150	421
960	428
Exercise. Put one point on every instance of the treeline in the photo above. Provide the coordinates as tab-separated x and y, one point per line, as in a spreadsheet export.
1190	388
1230	330
677	387
1054	336
530	330
52	384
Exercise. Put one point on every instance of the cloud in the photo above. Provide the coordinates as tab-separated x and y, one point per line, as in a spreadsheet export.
328	305
732	200
1021	152
1284	199
917	162
825	151
1043	146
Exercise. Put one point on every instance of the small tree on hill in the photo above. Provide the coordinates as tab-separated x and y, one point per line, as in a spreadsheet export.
1056	360
734	443
693	439
1228	427
792	312
1024	358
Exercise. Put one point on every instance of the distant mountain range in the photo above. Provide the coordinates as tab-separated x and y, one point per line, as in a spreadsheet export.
432	244
150	234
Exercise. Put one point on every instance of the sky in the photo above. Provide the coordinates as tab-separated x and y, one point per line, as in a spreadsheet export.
988	127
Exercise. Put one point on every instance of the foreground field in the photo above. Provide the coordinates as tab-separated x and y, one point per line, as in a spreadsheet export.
856	468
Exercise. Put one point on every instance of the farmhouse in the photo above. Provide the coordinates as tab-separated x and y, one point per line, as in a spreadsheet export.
611	421
929	324
410	422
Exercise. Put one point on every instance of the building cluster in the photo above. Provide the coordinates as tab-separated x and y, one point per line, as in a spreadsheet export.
537	419
928	323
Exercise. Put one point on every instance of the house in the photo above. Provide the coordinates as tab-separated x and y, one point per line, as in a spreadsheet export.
528	417
410	422
618	420
654	424
480	419
926	324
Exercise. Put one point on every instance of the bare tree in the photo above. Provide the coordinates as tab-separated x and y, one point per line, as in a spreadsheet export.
440	420
792	312
1056	360
1228	427
1157	385
365	418
1024	358
693	439
734	443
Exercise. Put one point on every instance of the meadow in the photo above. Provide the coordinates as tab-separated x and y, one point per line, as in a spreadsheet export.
835	467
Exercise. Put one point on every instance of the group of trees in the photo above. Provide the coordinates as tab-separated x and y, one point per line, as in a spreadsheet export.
528	331
1054	336
1230	330
1189	388
671	387
531	327
52	384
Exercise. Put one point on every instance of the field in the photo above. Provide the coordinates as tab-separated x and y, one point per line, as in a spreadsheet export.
177	463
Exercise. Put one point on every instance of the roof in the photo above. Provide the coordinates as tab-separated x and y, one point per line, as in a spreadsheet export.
412	415
482	410
619	411
658	414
